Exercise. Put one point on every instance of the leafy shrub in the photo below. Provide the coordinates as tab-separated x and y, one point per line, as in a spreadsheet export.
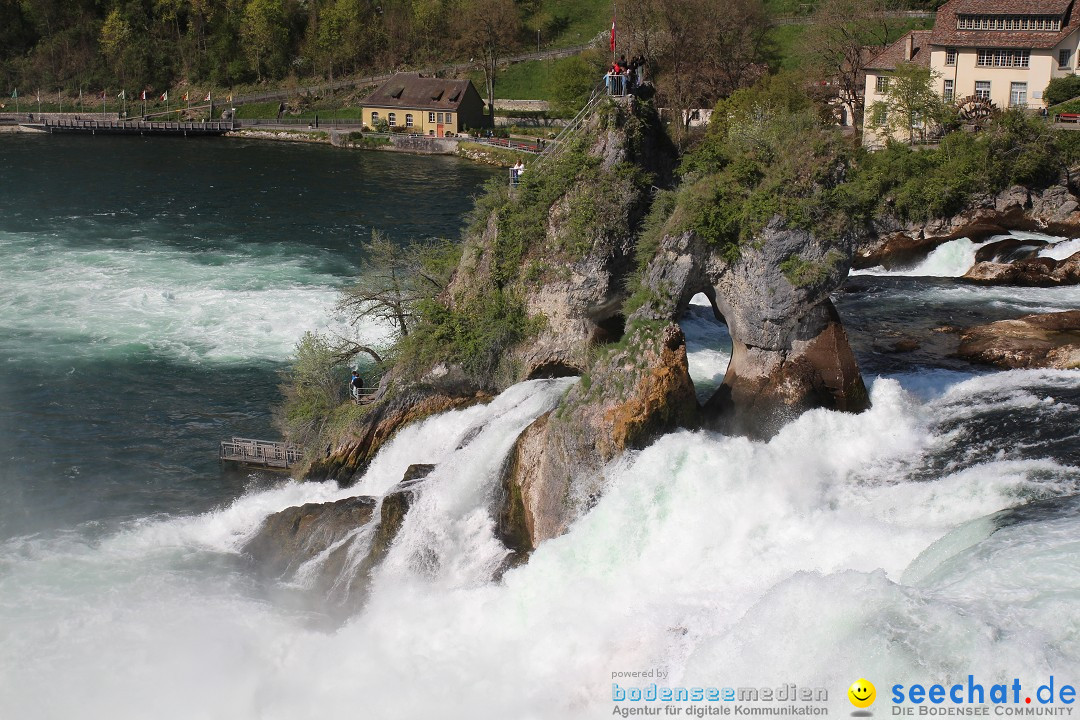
1058	90
313	385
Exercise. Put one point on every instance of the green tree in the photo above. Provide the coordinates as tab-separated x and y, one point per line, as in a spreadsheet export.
696	54
488	30
839	43
115	42
1061	89
266	35
396	280
911	104
313	386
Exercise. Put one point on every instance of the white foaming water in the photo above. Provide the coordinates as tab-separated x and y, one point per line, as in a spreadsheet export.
216	307
725	561
708	347
1022	300
956	257
951	259
1061	250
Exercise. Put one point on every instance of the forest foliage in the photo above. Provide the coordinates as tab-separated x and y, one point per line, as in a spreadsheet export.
95	44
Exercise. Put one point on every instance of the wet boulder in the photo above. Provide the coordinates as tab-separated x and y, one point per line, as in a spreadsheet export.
291	537
1032	341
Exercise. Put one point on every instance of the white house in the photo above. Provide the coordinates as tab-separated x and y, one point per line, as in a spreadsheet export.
1005	51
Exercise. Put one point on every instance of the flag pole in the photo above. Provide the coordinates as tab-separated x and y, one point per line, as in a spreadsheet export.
16	96
614	14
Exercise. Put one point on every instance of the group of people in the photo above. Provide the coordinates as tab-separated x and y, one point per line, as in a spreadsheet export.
632	72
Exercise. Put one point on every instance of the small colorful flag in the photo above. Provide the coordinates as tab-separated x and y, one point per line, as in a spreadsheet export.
122	95
15	95
164	96
230	98
184	98
613	33
207	98
143	95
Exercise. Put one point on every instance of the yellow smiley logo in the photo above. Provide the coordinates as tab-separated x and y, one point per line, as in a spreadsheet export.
862	693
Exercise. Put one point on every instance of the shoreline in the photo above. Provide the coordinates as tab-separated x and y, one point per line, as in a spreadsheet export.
465	148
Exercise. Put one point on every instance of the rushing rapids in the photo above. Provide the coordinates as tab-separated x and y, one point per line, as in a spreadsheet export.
931	537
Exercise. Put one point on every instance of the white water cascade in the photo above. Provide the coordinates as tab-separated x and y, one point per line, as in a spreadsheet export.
829	553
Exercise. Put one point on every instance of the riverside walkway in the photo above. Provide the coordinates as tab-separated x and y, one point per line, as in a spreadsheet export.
132	127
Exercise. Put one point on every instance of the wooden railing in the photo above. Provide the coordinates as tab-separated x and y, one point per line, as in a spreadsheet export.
259	452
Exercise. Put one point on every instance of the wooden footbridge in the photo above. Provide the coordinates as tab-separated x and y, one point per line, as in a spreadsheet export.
264	453
132	127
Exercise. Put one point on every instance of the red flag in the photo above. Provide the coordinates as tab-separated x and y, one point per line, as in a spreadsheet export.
207	98
613	33
164	96
185	97
143	94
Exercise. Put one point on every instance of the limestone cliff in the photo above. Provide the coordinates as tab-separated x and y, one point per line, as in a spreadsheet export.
557	271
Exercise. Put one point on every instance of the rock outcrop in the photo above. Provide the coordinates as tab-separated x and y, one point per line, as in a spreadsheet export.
291	537
896	244
1032	341
1030	272
442	390
567	247
346	538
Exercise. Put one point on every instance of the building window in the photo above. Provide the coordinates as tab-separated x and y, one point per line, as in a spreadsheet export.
449	118
1064	58
431	117
950	91
950	56
408	120
1018	94
880	114
1008	22
996	57
440	117
374	118
882	83
982	89
392	119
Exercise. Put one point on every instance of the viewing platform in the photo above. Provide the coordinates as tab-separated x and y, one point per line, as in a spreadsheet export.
132	127
264	453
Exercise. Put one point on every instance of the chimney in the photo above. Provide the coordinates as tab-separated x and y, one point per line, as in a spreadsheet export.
908	45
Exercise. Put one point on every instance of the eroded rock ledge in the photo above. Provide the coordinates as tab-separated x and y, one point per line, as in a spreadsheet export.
894	244
1032	341
1029	272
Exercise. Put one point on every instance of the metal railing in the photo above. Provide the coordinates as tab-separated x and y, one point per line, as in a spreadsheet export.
364	395
553	148
129	126
301	122
259	452
616	84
